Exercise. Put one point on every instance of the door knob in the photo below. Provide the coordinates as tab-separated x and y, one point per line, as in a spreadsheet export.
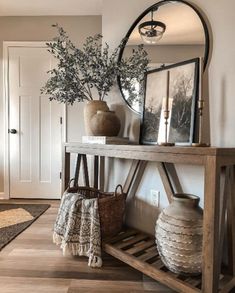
12	131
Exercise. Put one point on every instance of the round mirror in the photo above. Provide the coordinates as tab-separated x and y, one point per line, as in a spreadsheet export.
171	32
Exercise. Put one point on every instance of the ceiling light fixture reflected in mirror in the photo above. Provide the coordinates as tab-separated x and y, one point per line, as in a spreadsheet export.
152	31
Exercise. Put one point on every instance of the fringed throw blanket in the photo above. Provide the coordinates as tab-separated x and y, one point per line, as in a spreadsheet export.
77	228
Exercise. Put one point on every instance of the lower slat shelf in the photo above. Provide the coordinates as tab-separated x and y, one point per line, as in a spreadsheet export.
139	251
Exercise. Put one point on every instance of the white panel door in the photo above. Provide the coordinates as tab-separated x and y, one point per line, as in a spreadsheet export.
35	148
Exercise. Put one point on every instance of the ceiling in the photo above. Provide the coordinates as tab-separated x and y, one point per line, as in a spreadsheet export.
50	7
183	26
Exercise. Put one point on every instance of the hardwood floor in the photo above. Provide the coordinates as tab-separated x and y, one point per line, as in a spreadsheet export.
31	263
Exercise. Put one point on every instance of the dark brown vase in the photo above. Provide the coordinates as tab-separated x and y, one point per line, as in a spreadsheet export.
179	235
90	110
105	123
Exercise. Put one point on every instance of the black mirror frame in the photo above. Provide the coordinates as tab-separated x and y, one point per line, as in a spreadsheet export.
155	7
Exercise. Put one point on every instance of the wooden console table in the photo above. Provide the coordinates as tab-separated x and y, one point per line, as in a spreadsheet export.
137	248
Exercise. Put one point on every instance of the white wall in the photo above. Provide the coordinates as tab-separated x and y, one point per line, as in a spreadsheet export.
170	53
37	28
117	18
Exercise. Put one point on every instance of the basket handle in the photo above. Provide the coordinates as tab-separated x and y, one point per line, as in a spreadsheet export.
119	186
70	181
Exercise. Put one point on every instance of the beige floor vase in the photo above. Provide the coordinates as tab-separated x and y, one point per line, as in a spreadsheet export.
179	235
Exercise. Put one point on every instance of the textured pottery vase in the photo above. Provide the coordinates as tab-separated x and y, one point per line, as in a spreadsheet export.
90	110
179	235
105	123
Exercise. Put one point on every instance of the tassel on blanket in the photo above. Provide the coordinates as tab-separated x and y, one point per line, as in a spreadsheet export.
76	249
95	262
70	230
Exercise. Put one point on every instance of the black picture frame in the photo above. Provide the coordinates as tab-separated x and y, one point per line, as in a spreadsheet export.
183	95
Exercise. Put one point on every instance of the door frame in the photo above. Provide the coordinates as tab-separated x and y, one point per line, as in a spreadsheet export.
6	165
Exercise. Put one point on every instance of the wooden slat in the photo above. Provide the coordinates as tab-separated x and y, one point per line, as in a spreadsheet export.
174	275
165	180
141	246
132	240
149	255
158	264
121	236
194	281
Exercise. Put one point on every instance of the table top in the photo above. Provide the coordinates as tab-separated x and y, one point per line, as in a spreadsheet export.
211	151
176	154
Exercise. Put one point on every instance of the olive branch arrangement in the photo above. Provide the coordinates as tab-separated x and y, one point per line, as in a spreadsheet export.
91	71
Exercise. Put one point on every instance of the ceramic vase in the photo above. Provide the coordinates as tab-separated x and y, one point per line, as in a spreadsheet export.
105	123
90	110
179	235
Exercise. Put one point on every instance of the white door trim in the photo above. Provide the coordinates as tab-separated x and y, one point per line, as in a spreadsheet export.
6	45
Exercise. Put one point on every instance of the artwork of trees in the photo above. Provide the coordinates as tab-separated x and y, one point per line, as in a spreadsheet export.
151	122
181	109
183	83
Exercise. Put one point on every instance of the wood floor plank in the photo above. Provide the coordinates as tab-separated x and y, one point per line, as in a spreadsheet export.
115	286
35	285
32	263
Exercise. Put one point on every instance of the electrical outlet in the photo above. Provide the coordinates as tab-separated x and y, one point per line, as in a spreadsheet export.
155	197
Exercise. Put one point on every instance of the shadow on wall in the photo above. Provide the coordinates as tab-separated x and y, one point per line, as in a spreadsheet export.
130	124
2	176
206	112
140	214
222	117
120	112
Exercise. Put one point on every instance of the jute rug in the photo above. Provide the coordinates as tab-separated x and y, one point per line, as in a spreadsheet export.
15	218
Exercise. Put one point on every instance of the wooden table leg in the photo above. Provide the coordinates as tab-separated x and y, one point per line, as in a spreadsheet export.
65	170
226	189
102	173
210	256
231	224
85	171
96	171
77	170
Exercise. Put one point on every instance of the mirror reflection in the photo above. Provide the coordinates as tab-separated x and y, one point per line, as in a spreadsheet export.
171	32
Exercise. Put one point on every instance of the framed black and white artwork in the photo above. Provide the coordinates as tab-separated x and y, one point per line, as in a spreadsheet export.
182	83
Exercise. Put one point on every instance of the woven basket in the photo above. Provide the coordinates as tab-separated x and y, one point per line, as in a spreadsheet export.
111	207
